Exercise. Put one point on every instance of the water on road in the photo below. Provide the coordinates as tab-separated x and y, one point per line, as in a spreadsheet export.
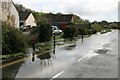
49	64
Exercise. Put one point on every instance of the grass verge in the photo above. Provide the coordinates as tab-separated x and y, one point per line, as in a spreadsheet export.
10	57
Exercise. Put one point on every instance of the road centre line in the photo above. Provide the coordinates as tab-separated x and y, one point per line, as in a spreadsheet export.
108	52
82	58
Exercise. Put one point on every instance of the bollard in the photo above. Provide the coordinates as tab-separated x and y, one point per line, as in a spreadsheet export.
54	43
33	56
82	38
33	44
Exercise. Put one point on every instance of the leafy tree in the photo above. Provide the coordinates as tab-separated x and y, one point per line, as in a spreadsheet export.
83	21
69	32
40	17
21	9
42	32
12	40
104	23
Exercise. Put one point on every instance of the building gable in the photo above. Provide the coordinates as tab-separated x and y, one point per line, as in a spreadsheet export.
30	20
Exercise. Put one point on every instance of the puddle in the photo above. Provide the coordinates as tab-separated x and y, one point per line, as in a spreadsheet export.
70	47
44	56
106	45
102	51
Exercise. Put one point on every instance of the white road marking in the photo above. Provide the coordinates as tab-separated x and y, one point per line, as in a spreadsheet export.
57	75
108	52
89	55
81	58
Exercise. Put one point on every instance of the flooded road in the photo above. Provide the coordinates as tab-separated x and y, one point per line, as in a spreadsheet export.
50	64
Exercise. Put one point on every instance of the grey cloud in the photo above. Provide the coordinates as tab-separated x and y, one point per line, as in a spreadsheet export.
119	11
88	9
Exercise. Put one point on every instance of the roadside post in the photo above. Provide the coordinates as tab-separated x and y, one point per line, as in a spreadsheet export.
33	57
54	43
82	38
55	31
33	53
33	44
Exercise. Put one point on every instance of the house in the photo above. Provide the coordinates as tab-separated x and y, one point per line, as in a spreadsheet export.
9	13
27	19
31	20
61	20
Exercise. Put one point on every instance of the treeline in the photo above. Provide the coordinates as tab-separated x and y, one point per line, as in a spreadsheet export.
22	10
111	25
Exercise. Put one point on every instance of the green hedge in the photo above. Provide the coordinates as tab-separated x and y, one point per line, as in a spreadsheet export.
70	32
44	46
12	40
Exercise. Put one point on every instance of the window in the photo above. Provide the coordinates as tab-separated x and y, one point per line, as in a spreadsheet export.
6	6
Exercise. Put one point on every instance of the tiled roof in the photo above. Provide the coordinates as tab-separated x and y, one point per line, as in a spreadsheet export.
59	17
24	16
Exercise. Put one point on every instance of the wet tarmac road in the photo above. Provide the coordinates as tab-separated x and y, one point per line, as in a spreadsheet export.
60	63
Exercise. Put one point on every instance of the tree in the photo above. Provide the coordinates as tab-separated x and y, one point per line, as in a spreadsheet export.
69	32
42	32
104	23
81	21
40	17
21	9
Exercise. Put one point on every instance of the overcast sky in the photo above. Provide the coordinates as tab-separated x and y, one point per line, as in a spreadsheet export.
86	9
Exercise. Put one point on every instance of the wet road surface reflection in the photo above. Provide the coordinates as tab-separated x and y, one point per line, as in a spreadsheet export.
50	63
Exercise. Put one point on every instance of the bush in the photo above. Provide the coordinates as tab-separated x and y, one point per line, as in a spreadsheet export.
12	40
84	31
69	32
105	31
44	46
96	27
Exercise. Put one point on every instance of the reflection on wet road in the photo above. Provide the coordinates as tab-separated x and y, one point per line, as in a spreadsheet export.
51	63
